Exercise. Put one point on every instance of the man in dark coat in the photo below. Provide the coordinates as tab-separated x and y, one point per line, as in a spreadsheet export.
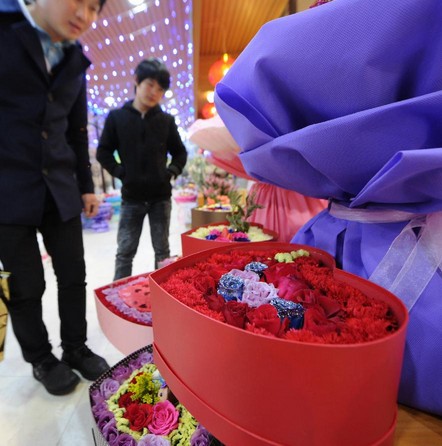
45	179
144	136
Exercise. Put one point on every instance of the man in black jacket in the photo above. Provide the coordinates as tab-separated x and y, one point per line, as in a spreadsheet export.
45	179
143	135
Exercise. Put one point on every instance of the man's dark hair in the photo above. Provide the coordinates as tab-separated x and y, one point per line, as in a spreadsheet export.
153	68
102	2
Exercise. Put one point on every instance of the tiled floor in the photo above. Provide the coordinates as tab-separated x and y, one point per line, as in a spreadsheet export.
28	414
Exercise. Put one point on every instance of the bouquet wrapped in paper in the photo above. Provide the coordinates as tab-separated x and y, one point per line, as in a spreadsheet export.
343	102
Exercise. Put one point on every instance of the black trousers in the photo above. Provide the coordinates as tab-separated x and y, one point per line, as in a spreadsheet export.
20	255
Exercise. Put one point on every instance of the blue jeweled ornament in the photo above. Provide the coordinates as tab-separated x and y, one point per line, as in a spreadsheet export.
256	267
291	310
230	287
242	239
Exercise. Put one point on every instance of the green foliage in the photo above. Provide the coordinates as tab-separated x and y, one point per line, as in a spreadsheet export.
240	214
145	388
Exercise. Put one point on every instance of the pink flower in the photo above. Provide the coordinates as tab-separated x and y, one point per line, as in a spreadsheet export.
164	418
258	293
246	275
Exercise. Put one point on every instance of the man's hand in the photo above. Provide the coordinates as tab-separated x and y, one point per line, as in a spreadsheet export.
90	205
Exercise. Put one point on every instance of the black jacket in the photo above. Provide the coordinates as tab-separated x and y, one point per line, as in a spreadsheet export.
43	127
143	144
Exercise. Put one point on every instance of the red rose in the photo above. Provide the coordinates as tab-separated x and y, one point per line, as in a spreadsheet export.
330	306
215	301
205	284
273	274
317	322
125	400
265	317
235	313
139	416
289	287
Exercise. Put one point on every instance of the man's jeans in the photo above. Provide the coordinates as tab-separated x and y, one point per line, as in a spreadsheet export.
130	228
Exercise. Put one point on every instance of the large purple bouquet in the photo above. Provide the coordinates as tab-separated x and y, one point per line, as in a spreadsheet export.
343	102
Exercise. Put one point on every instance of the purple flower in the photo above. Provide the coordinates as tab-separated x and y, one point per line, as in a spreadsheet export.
104	418
240	237
258	293
143	358
153	440
110	431
200	437
99	408
97	396
124	440
121	373
112	435
108	387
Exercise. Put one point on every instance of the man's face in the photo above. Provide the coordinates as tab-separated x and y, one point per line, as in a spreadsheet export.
149	93
66	19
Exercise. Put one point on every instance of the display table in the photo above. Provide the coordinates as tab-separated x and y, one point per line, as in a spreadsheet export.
415	428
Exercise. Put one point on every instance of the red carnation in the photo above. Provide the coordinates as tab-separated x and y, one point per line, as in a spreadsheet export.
215	302
317	322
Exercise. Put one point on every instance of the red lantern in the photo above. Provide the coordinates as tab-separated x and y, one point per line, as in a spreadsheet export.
218	70
208	110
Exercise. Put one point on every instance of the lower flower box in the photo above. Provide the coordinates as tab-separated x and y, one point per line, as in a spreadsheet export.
250	389
124	332
132	405
192	245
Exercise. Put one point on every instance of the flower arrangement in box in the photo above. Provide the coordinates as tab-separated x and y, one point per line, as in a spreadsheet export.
236	229
129	299
289	295
225	233
332	341
133	406
124	312
184	190
239	229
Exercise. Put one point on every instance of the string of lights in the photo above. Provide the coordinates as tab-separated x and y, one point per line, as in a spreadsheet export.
127	32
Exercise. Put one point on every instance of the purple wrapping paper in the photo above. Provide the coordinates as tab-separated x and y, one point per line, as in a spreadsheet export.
344	102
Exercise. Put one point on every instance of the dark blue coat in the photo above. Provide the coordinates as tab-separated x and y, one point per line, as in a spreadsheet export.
43	126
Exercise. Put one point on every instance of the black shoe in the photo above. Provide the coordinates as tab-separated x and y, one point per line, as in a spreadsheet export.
90	365
57	377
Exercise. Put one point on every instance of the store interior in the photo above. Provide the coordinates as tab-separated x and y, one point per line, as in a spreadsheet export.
197	39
